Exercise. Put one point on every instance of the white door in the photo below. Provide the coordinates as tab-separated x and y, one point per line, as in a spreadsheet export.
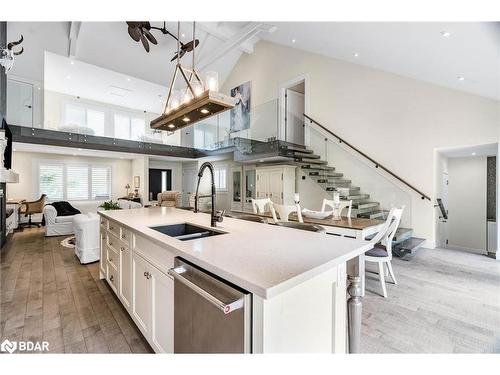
125	293
162	318
294	117
276	185
443	223
262	184
141	294
188	185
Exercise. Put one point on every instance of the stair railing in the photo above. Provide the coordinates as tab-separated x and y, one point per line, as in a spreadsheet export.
376	163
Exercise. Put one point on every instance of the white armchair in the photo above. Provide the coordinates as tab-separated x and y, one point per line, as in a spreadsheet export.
86	229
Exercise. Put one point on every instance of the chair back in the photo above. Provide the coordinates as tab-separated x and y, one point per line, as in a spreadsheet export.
169	199
343	205
259	205
35	207
285	211
387	232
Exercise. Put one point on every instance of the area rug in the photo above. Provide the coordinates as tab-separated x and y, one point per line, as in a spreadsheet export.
69	242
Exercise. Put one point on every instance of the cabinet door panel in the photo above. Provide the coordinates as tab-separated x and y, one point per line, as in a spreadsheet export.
125	276
276	185
162	317
141	294
104	253
262	184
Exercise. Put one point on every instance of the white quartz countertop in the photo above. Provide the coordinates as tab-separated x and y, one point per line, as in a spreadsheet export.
261	258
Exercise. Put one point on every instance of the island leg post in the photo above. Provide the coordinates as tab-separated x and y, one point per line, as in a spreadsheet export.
354	304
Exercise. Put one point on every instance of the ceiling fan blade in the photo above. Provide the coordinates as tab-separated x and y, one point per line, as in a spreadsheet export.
188	47
135	33
134	23
145	43
150	36
146	25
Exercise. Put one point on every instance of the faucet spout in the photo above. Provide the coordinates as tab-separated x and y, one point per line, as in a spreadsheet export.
214	218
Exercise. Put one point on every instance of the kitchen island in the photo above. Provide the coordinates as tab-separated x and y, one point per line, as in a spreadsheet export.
296	279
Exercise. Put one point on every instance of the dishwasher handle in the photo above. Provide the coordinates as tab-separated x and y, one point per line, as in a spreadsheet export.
177	272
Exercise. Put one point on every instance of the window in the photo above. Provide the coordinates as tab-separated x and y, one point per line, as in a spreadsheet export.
220	178
74	182
85	117
129	126
50	181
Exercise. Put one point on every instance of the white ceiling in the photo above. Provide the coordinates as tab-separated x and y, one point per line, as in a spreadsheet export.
490	149
76	78
413	49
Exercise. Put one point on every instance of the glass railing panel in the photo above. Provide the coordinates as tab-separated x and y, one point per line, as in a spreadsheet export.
362	173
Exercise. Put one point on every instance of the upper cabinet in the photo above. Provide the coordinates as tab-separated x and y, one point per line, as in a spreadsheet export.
276	183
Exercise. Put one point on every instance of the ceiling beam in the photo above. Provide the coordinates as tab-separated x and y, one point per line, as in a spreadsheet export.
74	31
235	41
216	32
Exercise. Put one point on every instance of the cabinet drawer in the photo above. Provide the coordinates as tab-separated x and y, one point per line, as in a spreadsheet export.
112	241
114	228
104	222
113	257
112	278
159	257
125	236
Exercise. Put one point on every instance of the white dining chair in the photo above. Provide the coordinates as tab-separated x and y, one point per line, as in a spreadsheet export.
343	205
263	206
382	247
283	212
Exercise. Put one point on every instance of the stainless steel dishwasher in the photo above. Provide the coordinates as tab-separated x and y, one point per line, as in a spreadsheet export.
210	314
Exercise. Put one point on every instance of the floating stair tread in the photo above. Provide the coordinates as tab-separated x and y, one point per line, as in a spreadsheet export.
364	205
357	197
311	161
305	155
402	234
298	149
408	248
317	168
330	175
375	214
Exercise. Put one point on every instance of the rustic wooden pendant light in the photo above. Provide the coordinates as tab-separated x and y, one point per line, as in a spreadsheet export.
198	103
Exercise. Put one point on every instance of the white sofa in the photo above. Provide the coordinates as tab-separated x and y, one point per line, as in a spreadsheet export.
63	225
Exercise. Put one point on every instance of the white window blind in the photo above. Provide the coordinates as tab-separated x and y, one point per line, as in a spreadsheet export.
84	116
129	126
220	179
101	183
50	178
74	182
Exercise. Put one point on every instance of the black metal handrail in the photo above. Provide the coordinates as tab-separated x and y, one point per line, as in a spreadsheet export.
377	164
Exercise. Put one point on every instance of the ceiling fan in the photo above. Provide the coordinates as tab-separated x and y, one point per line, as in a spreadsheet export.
140	31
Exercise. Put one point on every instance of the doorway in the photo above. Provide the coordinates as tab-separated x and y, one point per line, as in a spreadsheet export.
160	180
294	102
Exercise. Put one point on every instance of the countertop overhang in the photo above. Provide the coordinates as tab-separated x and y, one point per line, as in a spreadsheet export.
263	259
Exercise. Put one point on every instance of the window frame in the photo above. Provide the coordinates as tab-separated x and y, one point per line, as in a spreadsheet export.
69	163
86	107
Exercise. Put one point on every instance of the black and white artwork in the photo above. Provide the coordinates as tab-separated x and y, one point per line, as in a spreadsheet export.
240	114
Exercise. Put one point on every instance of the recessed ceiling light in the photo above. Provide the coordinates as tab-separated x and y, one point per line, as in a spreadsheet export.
128	79
79	149
186	119
473	154
461	78
183	35
68	77
445	34
204	111
293	40
72	62
170	126
355	54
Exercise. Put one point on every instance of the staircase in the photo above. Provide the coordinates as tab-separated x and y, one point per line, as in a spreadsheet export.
404	244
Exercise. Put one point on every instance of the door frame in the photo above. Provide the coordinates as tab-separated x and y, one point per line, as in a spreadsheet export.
283	86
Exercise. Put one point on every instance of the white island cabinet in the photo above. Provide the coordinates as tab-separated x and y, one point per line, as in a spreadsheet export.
297	279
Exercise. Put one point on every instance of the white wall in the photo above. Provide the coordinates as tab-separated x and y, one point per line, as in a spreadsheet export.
140	167
25	163
467	203
175	166
396	120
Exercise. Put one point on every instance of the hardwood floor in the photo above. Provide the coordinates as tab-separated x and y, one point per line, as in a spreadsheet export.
46	294
446	301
